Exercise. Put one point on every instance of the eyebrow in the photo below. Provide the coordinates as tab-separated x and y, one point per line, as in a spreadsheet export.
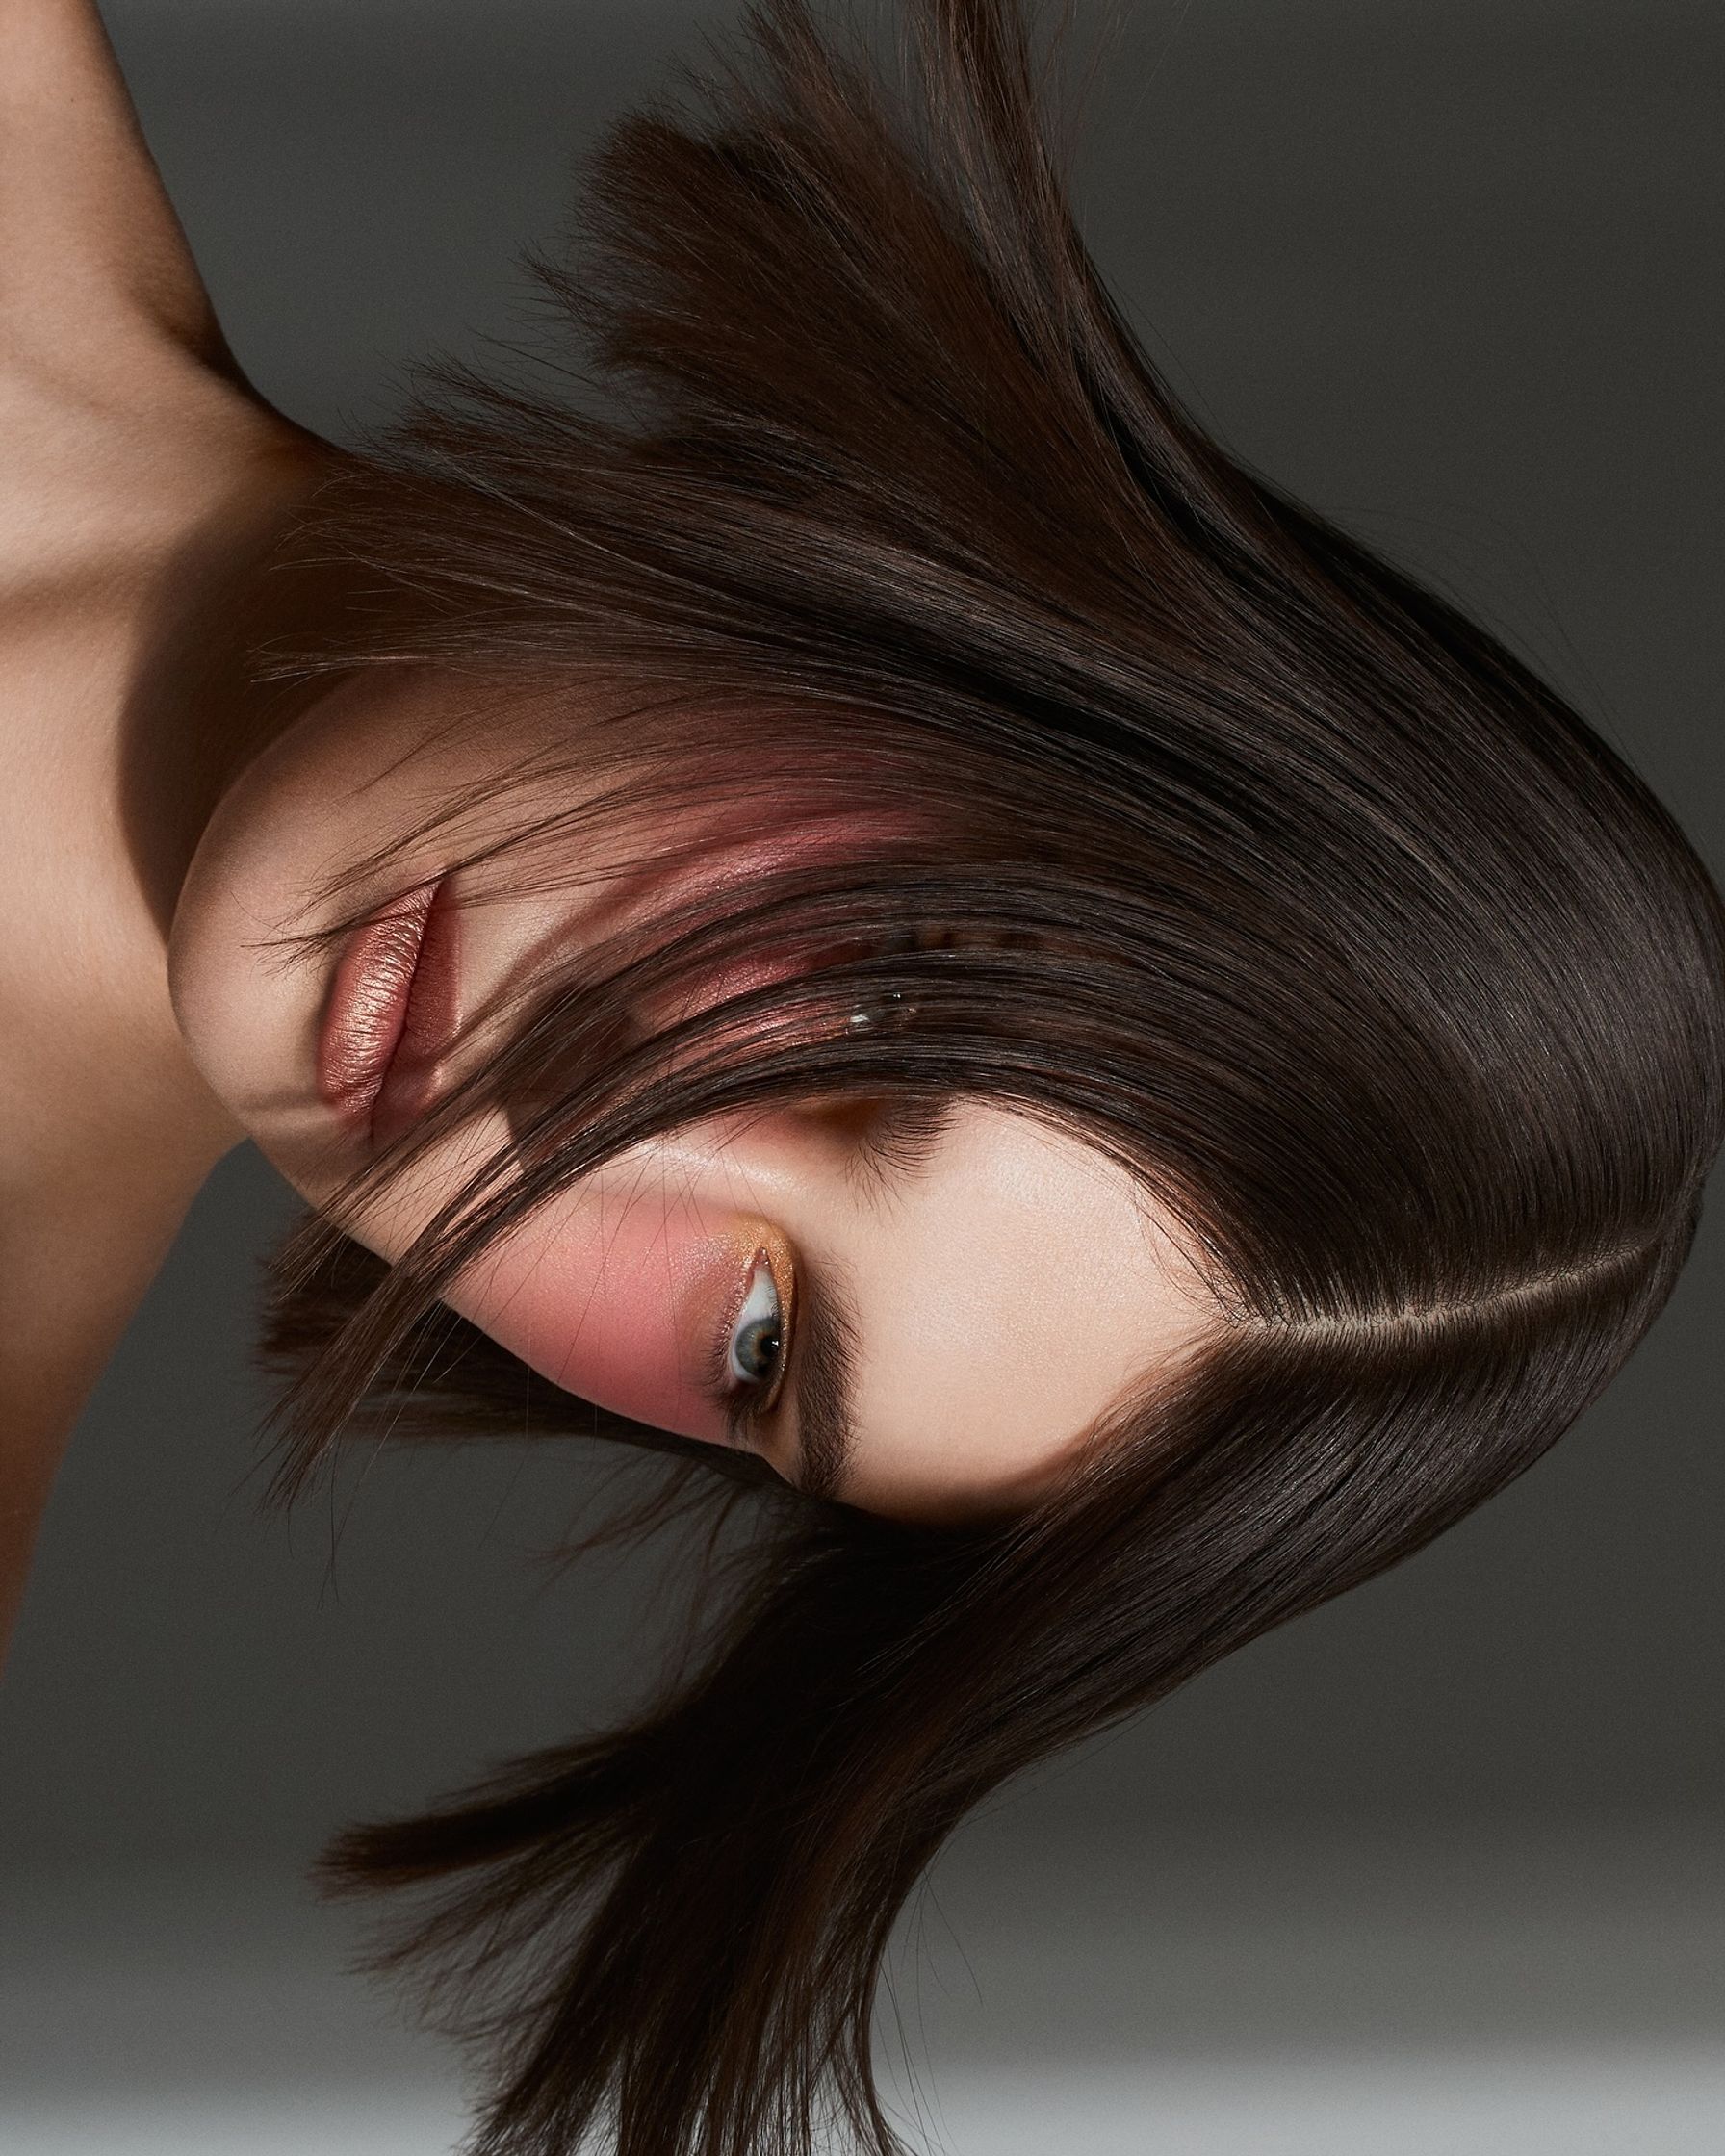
828	1329
826	1384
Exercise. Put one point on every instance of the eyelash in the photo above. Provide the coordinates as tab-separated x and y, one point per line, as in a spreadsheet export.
896	1141
748	1403
899	1137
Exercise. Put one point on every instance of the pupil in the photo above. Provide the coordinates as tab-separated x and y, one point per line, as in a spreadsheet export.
758	1347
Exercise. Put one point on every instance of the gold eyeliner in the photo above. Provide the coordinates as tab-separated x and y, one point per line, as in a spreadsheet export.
743	1409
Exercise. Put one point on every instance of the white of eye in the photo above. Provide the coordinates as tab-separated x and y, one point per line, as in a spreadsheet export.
758	1336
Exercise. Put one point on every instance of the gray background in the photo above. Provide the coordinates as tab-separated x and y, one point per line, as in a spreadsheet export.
1448	270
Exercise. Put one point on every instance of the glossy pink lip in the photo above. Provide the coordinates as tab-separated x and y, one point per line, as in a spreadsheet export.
393	1006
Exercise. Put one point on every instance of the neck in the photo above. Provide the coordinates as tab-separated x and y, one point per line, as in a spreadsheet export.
131	712
146	716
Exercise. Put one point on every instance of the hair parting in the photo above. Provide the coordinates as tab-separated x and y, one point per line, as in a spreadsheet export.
1193	827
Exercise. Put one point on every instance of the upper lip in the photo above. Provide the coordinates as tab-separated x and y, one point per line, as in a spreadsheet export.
393	1007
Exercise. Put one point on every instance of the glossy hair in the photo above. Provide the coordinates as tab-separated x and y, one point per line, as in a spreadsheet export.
1304	898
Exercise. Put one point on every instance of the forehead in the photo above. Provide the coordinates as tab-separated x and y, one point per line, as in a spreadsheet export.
1005	1297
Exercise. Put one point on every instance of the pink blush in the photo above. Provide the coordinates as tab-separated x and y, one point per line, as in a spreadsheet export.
618	1302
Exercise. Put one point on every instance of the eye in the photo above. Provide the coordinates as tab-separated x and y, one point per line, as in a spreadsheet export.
755	1347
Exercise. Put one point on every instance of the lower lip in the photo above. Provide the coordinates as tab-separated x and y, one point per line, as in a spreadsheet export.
391	1012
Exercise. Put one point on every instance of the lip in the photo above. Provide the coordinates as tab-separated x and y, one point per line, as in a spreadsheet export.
393	1006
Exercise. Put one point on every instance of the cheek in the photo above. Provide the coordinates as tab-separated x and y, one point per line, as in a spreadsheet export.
616	1303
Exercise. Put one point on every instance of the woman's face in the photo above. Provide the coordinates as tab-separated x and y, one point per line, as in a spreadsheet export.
926	1339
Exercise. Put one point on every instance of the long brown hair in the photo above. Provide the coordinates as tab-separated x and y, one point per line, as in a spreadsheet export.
1302	897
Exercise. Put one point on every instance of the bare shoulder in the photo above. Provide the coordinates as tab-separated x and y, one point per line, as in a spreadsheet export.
88	235
127	432
120	404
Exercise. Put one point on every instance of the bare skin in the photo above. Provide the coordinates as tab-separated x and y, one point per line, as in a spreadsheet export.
159	816
139	473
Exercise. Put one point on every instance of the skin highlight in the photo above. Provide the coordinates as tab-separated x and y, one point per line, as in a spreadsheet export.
1006	1297
1309	900
163	1033
1003	1300
143	483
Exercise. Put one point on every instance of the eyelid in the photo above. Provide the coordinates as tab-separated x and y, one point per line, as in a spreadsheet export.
744	1409
784	1286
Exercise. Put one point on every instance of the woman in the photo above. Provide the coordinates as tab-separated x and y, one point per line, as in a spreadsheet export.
889	923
